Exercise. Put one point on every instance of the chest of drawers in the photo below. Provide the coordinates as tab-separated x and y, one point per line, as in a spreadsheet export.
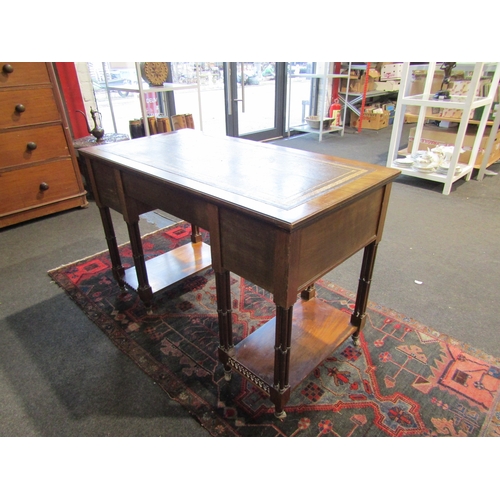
39	174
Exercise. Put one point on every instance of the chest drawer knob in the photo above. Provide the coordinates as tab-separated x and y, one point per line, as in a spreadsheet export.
31	146
20	108
7	68
44	186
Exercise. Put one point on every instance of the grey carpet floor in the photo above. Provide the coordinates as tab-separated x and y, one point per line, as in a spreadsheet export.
60	376
449	243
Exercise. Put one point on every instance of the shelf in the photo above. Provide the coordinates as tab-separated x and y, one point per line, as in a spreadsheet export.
173	266
322	104
122	89
328	75
466	103
374	93
446	119
310	130
167	87
361	67
455	102
434	176
317	330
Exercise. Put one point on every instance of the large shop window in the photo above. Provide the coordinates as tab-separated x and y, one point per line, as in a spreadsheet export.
116	91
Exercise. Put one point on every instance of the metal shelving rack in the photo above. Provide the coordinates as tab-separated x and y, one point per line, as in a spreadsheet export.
466	103
357	98
351	99
324	78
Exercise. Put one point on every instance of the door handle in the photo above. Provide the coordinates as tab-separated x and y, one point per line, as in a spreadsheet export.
242	100
229	91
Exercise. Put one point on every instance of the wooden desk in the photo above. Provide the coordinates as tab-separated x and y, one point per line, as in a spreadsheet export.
89	141
278	217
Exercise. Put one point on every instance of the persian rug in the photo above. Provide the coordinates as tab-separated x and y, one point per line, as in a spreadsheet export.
403	380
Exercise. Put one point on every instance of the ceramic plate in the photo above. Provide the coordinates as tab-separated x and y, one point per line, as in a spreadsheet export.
404	161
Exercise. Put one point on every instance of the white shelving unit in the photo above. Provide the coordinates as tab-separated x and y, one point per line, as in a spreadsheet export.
325	78
465	103
143	88
489	147
167	87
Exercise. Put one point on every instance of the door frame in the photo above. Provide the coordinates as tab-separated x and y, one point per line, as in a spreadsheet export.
230	71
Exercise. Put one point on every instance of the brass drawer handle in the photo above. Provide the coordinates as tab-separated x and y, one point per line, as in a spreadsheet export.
20	108
7	68
31	146
44	186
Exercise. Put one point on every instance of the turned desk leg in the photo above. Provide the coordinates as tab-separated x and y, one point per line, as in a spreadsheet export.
224	312
144	289
196	236
114	254
308	293
358	317
280	392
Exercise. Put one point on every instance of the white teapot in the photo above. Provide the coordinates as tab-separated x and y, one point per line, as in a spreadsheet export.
437	156
446	152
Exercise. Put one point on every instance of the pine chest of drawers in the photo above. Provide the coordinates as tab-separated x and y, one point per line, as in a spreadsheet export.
39	174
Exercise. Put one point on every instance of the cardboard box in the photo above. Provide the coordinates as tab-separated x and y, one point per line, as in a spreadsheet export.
418	84
357	85
456	114
419	77
433	136
357	81
458	88
391	71
461	87
409	118
390	85
371	121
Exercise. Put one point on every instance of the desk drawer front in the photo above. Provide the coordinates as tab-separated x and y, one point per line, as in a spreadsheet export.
39	107
23	73
328	242
248	247
104	177
31	186
263	253
171	199
17	145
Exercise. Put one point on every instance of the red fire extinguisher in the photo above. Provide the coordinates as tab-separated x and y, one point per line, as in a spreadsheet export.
335	113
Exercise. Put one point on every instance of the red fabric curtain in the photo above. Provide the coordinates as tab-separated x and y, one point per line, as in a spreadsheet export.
72	96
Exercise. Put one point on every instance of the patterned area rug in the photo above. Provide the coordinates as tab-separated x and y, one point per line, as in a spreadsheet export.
403	380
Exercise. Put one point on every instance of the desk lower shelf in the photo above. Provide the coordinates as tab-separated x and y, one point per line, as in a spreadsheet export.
318	329
172	267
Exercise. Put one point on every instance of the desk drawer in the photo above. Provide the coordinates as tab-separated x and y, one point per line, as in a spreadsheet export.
31	186
23	73
49	142
39	107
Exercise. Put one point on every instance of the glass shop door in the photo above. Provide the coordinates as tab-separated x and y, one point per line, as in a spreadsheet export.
255	94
